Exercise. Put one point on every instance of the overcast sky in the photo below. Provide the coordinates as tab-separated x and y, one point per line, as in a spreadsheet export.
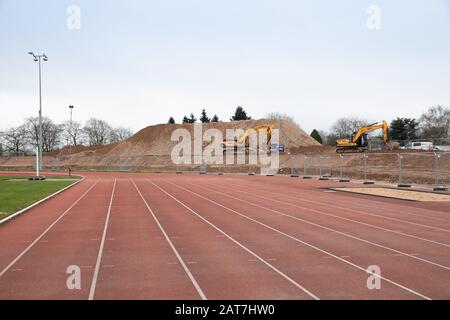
136	63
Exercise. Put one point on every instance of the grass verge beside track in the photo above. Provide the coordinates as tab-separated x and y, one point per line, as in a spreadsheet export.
17	194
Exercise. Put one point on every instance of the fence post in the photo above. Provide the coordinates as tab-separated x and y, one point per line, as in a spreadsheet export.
250	172
203	167
365	157
438	186
341	169
293	174
321	176
305	168
401	183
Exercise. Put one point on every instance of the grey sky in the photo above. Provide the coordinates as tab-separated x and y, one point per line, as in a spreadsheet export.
136	63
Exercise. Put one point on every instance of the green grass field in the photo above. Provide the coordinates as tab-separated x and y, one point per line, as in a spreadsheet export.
18	194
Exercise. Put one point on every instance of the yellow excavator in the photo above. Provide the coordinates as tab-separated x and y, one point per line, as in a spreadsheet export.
358	142
243	142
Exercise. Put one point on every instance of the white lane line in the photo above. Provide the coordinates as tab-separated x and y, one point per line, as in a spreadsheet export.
102	244
175	251
370	204
346	219
307	244
400	211
332	230
292	281
369	214
45	231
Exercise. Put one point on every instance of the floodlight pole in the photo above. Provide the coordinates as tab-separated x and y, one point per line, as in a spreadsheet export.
38	58
40	116
71	125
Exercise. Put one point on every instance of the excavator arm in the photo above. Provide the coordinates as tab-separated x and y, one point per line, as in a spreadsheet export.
372	127
356	144
244	139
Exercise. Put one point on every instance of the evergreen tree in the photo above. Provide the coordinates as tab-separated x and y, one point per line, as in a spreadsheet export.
316	135
240	114
204	117
215	118
171	120
403	129
191	119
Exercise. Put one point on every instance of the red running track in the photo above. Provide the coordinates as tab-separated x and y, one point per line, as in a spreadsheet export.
162	236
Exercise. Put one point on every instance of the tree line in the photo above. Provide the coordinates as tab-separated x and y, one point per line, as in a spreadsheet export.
24	138
239	114
433	124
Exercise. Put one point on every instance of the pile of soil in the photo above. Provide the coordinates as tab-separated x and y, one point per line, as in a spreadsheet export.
152	146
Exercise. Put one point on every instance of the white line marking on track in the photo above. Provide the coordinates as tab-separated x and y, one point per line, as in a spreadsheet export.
45	231
292	281
175	251
362	212
352	220
335	231
102	244
306	243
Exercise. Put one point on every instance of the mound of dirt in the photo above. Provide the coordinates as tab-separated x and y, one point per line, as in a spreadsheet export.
156	139
152	146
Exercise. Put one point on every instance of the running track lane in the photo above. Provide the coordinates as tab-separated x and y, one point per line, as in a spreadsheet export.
317	201
432	280
137	261
257	240
41	273
19	233
415	212
331	219
327	278
223	268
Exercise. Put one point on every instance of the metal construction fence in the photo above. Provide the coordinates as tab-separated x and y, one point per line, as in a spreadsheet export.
404	169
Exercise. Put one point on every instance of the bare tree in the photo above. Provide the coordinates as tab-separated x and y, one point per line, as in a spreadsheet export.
51	133
282	116
345	127
435	123
279	116
73	131
120	134
98	132
15	139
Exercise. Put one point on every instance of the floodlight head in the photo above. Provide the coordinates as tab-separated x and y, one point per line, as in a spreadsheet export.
71	107
31	52
36	59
